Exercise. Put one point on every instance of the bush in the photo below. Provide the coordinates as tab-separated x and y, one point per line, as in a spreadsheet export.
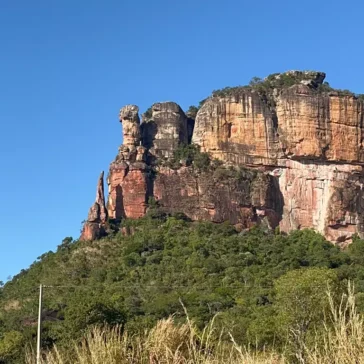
240	173
191	155
302	302
148	113
279	81
10	344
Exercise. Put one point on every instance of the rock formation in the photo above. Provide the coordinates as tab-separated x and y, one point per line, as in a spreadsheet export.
294	143
129	117
94	226
219	195
165	129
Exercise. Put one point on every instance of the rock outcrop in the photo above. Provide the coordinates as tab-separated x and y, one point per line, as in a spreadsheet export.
165	129
128	184
94	226
297	141
240	129
129	117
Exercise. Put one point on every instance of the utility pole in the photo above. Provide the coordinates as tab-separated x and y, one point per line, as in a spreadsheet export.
39	334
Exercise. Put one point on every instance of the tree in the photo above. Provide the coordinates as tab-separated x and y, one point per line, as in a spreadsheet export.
255	81
10	344
302	301
192	112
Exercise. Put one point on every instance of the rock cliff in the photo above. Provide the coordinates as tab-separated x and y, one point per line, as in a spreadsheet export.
290	151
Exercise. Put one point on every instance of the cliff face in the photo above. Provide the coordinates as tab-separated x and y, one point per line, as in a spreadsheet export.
303	124
300	147
219	195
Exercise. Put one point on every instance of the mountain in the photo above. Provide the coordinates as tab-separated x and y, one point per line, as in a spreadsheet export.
285	152
209	208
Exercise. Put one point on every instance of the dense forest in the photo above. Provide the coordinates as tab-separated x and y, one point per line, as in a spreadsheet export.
260	284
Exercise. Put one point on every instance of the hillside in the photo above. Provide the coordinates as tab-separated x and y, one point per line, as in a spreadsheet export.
137	279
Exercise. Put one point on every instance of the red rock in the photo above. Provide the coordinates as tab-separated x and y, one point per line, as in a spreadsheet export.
94	226
128	191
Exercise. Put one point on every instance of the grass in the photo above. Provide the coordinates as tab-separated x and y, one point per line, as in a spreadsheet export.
341	341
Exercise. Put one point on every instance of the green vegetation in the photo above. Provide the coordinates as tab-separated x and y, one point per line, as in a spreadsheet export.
229	91
280	81
192	111
238	173
148	113
341	340
250	280
266	86
189	154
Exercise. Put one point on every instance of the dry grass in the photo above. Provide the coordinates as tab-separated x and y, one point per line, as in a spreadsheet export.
166	343
342	342
343	339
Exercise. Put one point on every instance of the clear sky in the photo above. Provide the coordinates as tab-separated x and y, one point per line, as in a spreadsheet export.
67	66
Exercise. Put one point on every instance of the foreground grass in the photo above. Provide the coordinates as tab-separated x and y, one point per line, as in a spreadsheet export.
340	341
165	343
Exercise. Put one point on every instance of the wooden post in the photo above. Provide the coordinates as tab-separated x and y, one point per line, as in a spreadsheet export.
39	334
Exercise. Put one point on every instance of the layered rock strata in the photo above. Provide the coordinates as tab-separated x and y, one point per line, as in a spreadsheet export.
301	145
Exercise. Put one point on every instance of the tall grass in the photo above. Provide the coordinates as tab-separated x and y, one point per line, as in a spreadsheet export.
166	343
343	338
341	341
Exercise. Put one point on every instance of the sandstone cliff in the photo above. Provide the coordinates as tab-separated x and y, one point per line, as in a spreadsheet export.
294	143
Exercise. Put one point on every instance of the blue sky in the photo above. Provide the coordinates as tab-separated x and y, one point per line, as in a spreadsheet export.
67	66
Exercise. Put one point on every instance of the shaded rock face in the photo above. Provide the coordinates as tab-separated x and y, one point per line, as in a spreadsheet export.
301	149
94	227
214	197
165	130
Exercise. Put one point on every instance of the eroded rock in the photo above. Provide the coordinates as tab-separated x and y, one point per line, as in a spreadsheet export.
129	117
94	226
165	129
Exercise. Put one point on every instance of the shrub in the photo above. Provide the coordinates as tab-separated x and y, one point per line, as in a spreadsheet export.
191	154
192	112
10	344
148	113
201	161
